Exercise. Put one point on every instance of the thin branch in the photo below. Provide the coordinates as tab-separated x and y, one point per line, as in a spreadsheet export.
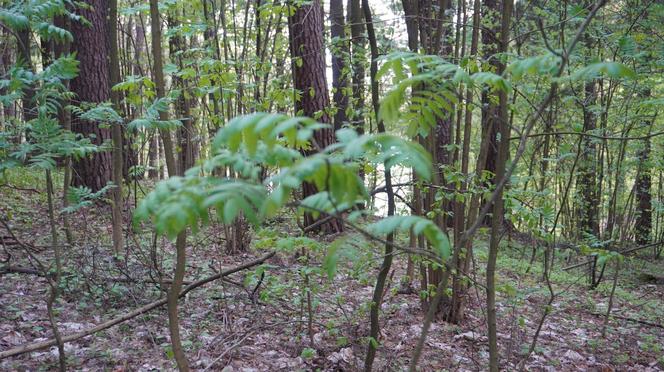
27	348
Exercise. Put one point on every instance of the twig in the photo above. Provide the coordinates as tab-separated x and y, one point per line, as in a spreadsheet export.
19	270
19	188
644	322
623	252
611	297
27	348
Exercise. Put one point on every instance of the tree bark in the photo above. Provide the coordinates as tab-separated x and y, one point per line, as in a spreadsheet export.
490	108
340	49
6	58
183	103
463	253
24	57
309	79
172	165
116	130
91	45
153	156
643	195
588	205
358	59
498	207
374	312
587	179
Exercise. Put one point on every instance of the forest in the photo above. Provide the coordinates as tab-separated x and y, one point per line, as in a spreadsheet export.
309	185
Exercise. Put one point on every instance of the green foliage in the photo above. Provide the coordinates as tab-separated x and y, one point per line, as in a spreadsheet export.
603	255
45	139
308	353
250	142
540	65
385	149
51	32
14	19
248	130
419	226
151	118
613	70
182	202
63	68
38	15
82	197
103	113
432	82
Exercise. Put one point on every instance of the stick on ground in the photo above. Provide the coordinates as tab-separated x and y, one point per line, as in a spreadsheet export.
27	348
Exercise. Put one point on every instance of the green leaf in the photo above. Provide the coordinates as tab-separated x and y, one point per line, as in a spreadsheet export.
612	70
14	19
420	226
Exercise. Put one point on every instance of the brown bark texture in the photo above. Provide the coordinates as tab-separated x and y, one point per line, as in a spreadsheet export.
92	85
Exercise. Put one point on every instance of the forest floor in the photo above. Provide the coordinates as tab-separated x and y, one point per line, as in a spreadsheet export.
228	326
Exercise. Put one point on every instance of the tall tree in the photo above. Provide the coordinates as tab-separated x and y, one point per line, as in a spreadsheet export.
340	49
6	57
642	186
426	29
177	45
374	328
490	106
92	84
116	130
588	202
358	60
465	213
309	79
24	57
501	121
173	170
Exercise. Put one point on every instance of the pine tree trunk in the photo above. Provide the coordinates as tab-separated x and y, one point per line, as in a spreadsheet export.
183	103
358	58
91	45
24	57
116	130
644	198
587	180
340	50
502	123
643	185
490	109
153	157
8	111
309	78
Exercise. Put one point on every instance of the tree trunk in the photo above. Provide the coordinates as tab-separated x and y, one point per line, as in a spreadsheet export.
91	45
374	312
490	110
153	157
426	26
339	47
24	57
6	58
587	179
358	59
502	123
183	103
116	130
171	164
463	253
309	79
643	184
